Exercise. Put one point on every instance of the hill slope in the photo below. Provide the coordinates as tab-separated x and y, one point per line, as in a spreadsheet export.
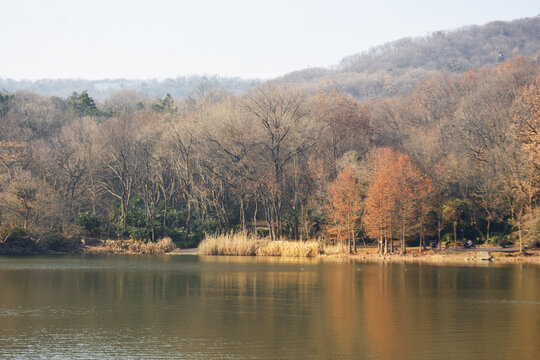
397	66
385	70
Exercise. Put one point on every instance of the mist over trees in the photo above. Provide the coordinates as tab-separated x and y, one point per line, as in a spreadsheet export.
179	87
455	159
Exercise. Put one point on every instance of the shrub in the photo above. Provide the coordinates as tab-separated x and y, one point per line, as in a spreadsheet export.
13	234
447	239
17	240
89	221
68	240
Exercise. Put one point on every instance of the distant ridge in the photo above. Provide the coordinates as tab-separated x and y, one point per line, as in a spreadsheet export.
396	67
179	87
385	70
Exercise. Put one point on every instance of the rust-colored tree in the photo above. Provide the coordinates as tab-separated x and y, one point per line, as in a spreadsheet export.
412	203
381	199
345	208
397	201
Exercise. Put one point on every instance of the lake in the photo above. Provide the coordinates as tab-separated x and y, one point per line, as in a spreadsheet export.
191	307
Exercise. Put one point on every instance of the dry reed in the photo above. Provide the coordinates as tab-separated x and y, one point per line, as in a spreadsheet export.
239	244
232	244
163	246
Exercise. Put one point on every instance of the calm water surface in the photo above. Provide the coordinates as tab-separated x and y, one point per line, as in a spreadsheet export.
190	307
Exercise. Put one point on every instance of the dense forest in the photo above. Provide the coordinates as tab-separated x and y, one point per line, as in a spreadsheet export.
457	158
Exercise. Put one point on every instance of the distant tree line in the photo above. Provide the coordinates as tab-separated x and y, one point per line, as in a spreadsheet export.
458	158
179	87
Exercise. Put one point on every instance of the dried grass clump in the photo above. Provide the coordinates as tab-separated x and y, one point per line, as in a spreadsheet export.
231	244
163	246
291	248
244	245
111	246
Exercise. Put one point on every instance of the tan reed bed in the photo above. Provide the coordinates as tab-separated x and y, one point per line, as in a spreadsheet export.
245	245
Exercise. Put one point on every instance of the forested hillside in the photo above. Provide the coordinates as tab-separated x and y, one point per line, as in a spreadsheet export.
386	70
395	68
456	158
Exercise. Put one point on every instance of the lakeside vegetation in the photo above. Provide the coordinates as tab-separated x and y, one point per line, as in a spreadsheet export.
163	246
455	159
245	245
19	241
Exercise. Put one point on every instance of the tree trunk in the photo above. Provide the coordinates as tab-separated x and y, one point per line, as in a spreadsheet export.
487	230
455	233
255	217
164	211
242	215
188	222
519	231
439	244
402	241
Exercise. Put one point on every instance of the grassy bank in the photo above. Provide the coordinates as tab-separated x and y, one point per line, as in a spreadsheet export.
244	245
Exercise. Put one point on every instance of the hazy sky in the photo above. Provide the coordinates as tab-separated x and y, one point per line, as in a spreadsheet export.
97	39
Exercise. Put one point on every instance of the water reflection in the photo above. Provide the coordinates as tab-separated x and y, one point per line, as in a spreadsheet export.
264	308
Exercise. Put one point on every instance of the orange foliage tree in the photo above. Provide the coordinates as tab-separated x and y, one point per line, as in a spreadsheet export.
345	208
412	202
381	199
397	200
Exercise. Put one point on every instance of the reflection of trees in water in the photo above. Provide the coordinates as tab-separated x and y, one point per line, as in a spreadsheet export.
288	308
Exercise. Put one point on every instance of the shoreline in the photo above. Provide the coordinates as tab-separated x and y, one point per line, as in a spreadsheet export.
430	256
442	257
451	257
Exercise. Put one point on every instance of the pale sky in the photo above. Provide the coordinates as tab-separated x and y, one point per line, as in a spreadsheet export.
97	39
